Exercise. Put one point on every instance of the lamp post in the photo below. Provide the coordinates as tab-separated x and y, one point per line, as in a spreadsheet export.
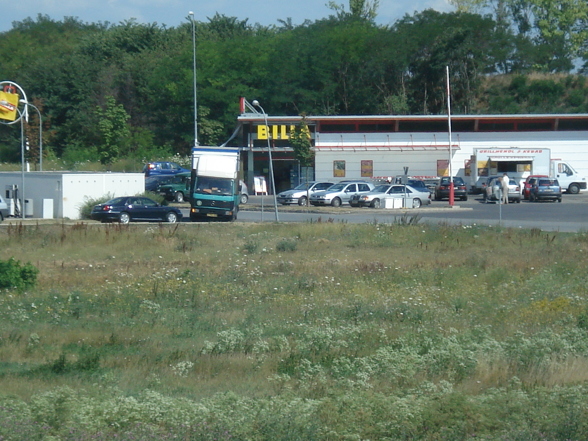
191	14
26	103
269	149
22	156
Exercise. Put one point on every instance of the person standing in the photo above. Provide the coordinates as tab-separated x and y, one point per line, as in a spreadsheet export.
505	182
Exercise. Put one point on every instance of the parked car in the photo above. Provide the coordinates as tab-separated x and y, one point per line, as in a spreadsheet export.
493	190
460	191
134	208
529	183
163	168
244	192
545	189
298	194
419	185
177	188
416	197
3	209
340	193
152	183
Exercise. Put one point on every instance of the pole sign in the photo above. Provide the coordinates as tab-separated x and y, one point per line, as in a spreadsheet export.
8	102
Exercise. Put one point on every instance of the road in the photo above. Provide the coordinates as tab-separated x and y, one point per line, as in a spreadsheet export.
569	216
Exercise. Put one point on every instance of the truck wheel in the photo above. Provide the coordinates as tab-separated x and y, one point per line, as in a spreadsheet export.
574	189
179	197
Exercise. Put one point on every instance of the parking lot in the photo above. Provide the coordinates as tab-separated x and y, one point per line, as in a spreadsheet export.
571	215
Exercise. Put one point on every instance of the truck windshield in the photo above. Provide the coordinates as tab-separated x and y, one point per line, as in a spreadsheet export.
217	186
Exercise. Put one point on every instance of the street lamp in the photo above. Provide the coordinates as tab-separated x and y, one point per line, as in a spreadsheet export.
269	149
26	103
191	14
22	156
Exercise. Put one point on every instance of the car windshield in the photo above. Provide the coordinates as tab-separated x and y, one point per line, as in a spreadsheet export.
456	180
381	188
303	186
337	187
548	182
218	186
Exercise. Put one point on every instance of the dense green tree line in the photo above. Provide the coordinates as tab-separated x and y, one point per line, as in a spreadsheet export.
126	90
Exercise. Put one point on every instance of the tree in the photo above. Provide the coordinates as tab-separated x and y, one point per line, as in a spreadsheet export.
113	126
300	142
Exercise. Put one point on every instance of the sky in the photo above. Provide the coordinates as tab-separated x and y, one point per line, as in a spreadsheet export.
172	13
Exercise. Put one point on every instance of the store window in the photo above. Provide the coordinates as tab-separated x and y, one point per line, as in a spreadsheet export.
339	169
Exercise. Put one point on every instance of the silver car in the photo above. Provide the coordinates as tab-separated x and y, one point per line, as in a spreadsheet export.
3	209
299	194
493	190
340	193
415	198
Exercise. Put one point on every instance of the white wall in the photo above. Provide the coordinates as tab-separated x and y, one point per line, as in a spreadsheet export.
69	191
390	152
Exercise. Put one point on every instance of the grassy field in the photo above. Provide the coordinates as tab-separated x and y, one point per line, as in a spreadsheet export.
316	331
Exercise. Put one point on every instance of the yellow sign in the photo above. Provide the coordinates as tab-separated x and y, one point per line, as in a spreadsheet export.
275	131
8	105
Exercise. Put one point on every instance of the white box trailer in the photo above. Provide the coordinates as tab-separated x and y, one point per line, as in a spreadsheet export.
518	163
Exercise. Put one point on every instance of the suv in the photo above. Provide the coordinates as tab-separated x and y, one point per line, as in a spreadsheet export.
340	193
177	188
460	191
545	189
163	168
493	185
298	195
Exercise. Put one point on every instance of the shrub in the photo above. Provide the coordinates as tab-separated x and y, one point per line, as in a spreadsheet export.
14	275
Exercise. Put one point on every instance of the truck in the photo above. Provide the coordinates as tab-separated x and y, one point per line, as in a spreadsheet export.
518	163
214	183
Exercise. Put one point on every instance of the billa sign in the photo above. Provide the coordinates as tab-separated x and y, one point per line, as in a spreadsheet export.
8	103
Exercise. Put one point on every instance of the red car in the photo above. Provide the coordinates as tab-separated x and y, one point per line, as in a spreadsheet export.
528	184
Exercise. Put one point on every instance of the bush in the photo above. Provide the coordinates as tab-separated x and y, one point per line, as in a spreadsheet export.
13	275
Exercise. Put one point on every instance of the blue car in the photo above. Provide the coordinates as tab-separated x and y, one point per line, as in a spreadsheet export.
134	208
163	168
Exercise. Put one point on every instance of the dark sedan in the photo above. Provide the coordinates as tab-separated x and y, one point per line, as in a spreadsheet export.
460	190
134	208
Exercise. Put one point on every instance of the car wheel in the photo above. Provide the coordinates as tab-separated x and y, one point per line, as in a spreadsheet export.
518	200
376	203
336	202
171	217
559	200
416	203
574	189
303	201
179	197
124	218
244	199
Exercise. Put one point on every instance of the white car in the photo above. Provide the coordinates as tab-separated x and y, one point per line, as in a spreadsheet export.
415	198
299	194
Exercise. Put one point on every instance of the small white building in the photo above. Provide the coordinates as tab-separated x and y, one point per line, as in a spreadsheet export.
51	195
